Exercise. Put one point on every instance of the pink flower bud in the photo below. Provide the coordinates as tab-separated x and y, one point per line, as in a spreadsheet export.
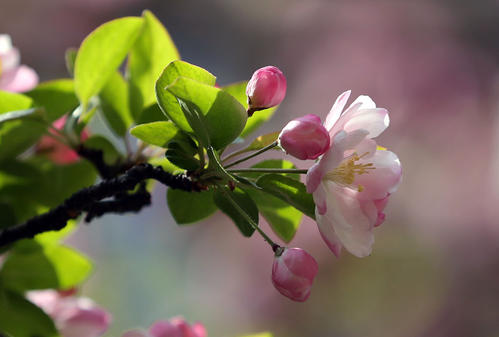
305	137
293	273
266	88
175	327
59	153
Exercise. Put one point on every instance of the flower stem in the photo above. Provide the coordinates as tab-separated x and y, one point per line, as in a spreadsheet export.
267	170
272	244
254	154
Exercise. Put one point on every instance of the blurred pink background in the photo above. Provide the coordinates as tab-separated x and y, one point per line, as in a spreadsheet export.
435	266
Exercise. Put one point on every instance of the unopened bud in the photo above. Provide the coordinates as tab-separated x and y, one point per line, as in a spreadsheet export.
293	273
305	137
266	88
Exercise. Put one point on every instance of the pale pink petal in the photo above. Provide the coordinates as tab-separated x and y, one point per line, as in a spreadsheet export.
336	110
380	219
338	126
9	60
326	230
20	79
135	333
367	148
345	214
199	330
320	199
381	203
165	329
375	121
92	322
384	179
45	299
365	102
5	43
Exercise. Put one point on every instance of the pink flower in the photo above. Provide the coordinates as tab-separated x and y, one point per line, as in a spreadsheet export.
176	327
58	152
73	316
293	273
304	137
266	88
351	182
13	76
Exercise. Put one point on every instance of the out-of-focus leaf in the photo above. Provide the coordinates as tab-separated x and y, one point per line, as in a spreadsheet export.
167	101
57	97
189	207
98	142
238	90
244	202
21	318
101	53
70	58
114	104
166	165
33	113
7	216
156	133
151	53
289	190
223	117
150	114
44	266
10	101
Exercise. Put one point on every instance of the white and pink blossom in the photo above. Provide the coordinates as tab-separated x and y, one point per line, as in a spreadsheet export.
352	181
14	76
72	316
175	327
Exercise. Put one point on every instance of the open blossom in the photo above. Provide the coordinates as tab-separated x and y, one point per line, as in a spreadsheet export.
293	273
353	180
14	77
265	89
175	327
305	137
73	316
58	152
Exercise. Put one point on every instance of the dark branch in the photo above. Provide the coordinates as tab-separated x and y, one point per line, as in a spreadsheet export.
90	199
96	157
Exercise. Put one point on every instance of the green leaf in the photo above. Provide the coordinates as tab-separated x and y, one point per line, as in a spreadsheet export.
44	266
181	152
33	113
99	142
189	207
166	165
21	318
156	133
238	90
11	101
101	53
224	118
289	190
244	201
282	218
7	216
167	102
57	97
152	52
70	58
150	114
114	104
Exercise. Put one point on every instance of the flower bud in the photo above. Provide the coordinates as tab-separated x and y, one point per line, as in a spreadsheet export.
293	273
266	88
305	137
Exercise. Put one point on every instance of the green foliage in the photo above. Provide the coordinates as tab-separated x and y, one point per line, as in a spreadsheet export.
114	104
99	142
57	97
10	102
224	200
21	318
238	90
222	115
37	266
289	190
188	207
181	152
151	53
167	101
101	53
156	133
150	114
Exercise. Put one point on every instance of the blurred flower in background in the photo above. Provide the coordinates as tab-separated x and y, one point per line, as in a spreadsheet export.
14	77
435	263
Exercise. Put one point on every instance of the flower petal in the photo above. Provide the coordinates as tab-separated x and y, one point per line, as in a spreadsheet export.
336	110
164	328
384	179
375	121
20	79
350	224
326	229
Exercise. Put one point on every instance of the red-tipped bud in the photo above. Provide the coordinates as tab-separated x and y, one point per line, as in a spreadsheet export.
266	88
293	273
305	137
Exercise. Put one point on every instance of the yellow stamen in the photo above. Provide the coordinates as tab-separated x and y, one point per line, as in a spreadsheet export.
345	173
